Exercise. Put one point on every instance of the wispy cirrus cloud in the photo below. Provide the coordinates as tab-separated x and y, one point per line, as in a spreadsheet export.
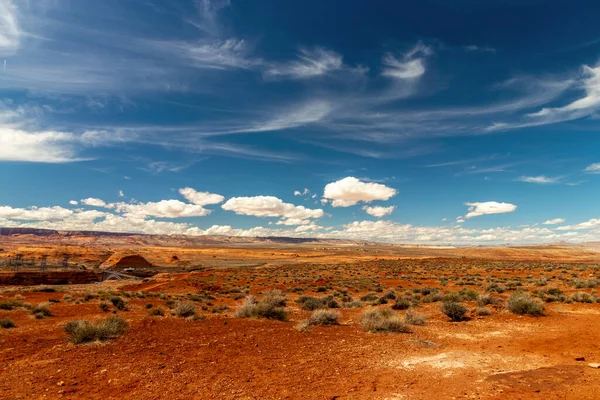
312	62
540	179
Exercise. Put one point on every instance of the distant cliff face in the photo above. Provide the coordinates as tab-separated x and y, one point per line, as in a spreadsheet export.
27	231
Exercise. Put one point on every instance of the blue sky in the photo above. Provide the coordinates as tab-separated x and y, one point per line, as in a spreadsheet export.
421	122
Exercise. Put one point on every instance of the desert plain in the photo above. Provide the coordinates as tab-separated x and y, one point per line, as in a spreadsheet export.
276	318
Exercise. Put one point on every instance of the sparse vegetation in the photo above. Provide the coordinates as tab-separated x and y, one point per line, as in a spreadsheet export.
81	331
383	321
324	317
271	306
184	310
523	304
6	323
41	311
454	310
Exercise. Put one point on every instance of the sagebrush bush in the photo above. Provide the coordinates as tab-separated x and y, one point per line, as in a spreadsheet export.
156	312
118	302
104	306
81	331
484	300
381	321
310	303
401	303
6	323
270	306
483	311
41	311
414	318
324	317
523	304
454	310
184	310
11	304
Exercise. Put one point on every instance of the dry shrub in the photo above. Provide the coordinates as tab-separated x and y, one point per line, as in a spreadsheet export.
381	321
523	304
81	331
454	310
270	306
414	318
184	310
6	323
324	317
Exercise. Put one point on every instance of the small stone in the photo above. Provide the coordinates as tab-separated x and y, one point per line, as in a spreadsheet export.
61	383
594	365
579	358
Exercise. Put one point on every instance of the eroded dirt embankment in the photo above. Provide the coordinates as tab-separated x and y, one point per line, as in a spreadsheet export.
27	278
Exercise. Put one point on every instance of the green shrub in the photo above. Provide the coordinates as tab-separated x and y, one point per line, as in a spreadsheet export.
6	323
156	312
523	304
381	321
41	311
454	310
81	331
401	303
324	317
118	302
309	303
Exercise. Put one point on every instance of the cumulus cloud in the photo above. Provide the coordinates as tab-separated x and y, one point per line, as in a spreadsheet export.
73	202
541	179
593	168
94	202
270	206
379	211
489	207
200	198
162	209
35	213
590	224
350	191
311	63
554	221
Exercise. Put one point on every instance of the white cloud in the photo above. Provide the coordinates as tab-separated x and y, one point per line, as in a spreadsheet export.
301	193
94	202
44	147
35	213
73	202
585	106
10	30
593	168
541	179
311	63
162	209
270	206
121	194
379	211
200	198
590	224
410	66
489	207
554	221
350	191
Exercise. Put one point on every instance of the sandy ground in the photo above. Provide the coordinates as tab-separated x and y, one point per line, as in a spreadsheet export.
222	357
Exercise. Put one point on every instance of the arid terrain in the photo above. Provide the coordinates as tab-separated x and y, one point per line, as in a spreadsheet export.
274	318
